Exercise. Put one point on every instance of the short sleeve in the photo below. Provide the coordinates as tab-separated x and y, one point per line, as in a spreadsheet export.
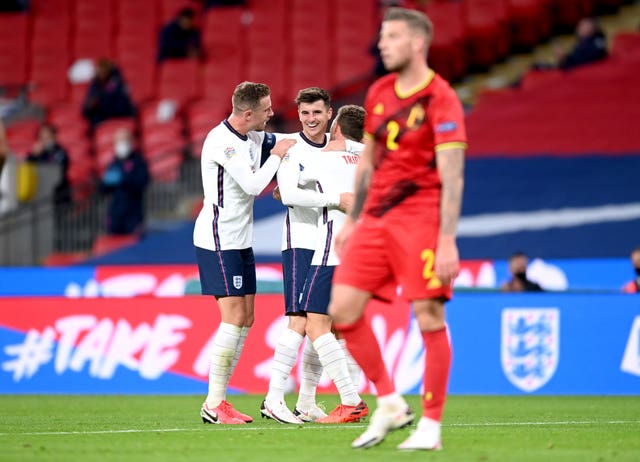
447	117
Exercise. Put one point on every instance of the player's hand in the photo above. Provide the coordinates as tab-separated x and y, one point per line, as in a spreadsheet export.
447	261
346	201
343	236
276	194
282	146
336	145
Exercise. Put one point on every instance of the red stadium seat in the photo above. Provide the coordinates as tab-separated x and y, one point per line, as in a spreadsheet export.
13	49
93	46
530	22
52	8
626	46
223	28
179	80
221	75
64	114
488	34
266	66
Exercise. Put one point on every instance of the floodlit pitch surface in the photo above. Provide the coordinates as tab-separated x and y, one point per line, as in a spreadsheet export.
168	428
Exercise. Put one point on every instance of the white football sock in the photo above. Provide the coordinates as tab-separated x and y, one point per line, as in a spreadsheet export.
236	357
310	377
335	364
284	358
222	354
354	368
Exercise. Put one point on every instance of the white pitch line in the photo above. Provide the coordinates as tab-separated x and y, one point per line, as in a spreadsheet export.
317	427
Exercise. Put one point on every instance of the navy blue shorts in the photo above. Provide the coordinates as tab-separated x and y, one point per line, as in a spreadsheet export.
295	265
227	272
317	290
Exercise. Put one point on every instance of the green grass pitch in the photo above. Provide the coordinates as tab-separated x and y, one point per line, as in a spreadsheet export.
168	428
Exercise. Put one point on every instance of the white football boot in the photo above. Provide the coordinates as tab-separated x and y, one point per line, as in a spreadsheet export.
310	415
279	412
426	437
384	420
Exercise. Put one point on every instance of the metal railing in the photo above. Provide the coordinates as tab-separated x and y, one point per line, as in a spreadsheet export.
37	228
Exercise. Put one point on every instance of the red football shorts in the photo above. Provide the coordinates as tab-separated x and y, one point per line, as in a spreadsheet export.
383	251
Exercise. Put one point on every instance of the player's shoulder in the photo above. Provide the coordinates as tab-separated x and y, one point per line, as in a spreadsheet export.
441	86
384	82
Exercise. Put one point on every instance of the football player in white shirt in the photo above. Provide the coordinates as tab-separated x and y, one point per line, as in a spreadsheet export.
299	243
223	232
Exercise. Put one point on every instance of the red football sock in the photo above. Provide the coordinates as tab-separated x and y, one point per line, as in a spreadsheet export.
364	348
436	372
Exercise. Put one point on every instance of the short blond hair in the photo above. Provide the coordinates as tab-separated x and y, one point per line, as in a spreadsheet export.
416	20
247	96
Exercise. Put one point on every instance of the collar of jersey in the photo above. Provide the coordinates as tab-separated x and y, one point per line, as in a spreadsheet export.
416	89
311	143
234	131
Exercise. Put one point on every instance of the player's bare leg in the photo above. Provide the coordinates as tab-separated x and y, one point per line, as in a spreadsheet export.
347	310
430	315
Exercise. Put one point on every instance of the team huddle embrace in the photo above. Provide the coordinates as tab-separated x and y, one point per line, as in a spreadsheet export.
373	202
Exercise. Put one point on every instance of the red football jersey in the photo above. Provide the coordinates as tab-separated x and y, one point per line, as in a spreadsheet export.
408	130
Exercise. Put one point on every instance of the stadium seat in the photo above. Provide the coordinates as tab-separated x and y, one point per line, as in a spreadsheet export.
567	13
265	66
221	74
488	34
530	21
223	29
65	114
179	80
448	51
51	8
626	46
13	48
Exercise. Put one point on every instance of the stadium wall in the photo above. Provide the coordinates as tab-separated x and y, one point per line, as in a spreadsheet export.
550	343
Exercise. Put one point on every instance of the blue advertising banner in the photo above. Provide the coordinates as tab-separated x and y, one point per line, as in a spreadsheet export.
545	344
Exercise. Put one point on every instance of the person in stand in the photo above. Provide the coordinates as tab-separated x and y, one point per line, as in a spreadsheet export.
125	180
519	282
47	150
633	286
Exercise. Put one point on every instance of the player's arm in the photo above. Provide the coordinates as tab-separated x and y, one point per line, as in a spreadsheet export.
450	161
252	183
293	196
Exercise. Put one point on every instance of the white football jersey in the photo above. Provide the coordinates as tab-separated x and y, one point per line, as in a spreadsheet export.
231	178
333	173
300	194
302	199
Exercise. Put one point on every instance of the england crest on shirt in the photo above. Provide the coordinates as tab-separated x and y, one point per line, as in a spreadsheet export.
530	346
237	282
